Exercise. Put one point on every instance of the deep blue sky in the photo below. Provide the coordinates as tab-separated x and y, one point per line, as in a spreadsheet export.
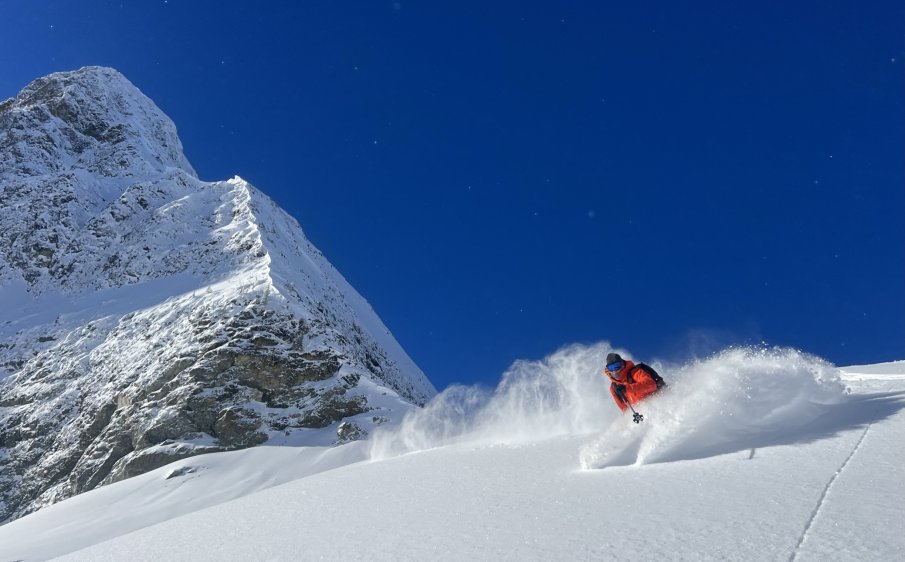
500	179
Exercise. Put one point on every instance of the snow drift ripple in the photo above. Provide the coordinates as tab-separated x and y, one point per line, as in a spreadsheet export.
738	399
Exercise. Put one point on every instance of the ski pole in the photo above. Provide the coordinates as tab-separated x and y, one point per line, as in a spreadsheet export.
636	417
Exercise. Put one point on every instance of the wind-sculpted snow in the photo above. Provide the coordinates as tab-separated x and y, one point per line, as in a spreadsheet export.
736	400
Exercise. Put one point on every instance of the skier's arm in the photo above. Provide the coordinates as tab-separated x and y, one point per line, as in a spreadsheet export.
618	392
642	384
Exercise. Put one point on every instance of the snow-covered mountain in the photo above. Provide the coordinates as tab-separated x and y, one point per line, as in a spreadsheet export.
148	316
752	454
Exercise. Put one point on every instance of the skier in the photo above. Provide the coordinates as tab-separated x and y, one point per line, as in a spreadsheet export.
631	383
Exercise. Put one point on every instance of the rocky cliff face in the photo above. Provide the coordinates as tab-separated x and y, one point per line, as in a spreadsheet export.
146	315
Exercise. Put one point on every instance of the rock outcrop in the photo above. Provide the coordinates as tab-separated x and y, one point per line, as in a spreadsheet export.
146	315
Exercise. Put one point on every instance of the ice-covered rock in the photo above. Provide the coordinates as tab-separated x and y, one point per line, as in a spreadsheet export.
147	316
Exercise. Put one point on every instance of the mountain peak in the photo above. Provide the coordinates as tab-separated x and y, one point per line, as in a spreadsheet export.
92	119
146	315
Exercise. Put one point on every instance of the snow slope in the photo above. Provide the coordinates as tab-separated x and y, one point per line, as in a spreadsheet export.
765	454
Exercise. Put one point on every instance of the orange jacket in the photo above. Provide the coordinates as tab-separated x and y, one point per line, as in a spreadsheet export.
638	385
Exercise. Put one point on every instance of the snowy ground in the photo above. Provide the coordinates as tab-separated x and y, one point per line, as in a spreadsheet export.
753	455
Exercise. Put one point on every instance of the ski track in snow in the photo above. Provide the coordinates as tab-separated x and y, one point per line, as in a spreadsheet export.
824	494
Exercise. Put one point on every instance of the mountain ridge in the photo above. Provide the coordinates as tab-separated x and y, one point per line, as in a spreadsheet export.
149	315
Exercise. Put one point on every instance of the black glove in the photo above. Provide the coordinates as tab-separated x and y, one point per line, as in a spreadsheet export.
619	389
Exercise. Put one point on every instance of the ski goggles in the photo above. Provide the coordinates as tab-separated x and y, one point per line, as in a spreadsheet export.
615	366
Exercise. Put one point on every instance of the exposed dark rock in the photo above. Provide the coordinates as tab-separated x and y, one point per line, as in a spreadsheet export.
98	198
238	428
349	431
148	460
334	408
